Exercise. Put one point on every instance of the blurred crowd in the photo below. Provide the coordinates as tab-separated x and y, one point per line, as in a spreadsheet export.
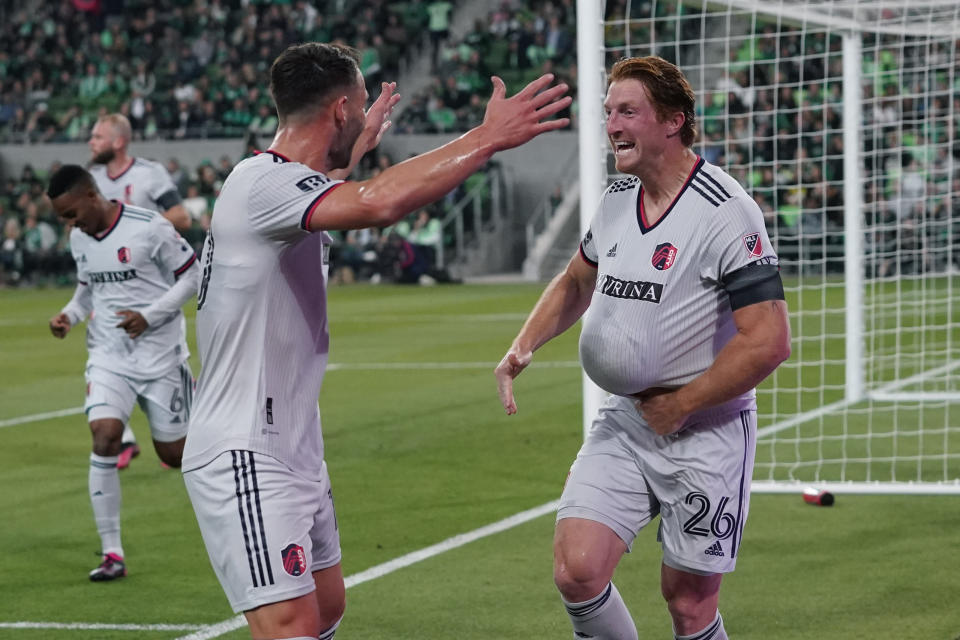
198	68
35	244
770	111
180	68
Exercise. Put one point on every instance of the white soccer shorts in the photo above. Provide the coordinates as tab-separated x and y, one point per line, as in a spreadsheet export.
697	480
266	528
166	400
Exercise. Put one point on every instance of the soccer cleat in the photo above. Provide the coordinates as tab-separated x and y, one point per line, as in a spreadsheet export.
111	568
128	451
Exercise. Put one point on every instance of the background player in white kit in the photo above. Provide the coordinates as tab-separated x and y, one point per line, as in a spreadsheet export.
684	317
137	181
253	463
134	273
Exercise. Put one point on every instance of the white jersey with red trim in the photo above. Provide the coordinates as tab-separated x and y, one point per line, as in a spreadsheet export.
145	183
262	318
659	314
129	266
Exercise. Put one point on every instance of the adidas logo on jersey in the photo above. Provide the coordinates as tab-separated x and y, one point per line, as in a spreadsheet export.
715	550
613	252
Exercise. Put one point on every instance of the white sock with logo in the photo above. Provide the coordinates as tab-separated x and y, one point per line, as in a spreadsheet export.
104	482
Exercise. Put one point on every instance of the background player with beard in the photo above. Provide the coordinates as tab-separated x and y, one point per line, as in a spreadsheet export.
684	317
137	181
253	463
135	272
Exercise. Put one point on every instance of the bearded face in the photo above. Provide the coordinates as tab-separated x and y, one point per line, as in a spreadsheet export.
103	157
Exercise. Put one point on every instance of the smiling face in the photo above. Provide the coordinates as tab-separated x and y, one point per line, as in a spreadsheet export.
636	134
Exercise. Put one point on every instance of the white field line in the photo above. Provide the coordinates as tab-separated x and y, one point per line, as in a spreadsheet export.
96	626
345	366
236	622
40	416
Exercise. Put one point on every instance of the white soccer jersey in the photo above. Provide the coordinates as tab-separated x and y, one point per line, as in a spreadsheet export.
262	318
130	266
144	183
659	314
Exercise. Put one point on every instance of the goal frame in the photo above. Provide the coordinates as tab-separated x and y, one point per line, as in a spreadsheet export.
593	181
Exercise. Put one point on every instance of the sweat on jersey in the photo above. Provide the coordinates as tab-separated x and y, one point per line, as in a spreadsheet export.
145	183
659	314
262	318
132	265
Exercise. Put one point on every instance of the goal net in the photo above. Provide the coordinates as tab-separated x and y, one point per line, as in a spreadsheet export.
842	119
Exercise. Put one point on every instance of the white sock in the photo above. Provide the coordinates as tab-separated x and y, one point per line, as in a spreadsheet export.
128	435
105	499
713	631
604	617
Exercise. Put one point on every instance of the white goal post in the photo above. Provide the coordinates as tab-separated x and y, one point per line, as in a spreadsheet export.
842	119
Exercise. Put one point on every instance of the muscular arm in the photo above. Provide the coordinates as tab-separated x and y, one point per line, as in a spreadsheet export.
562	303
409	185
761	343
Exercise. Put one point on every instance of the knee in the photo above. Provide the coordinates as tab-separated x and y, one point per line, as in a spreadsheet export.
171	453
577	578
107	435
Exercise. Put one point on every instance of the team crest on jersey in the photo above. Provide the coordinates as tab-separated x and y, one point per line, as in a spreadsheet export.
123	255
294	560
664	256
752	242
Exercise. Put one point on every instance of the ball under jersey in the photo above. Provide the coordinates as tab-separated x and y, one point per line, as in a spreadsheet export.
144	183
262	318
659	314
128	266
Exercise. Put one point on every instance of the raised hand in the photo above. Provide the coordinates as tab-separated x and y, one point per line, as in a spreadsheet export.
516	120
378	116
508	369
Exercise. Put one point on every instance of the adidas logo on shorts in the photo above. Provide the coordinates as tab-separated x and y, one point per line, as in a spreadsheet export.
715	550
613	251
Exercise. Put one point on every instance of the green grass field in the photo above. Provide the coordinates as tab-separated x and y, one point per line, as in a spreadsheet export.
419	450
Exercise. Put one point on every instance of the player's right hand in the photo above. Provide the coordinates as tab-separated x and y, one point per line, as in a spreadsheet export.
60	325
508	369
516	120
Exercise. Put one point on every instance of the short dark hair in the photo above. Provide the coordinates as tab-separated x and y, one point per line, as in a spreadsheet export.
305	75
67	178
667	87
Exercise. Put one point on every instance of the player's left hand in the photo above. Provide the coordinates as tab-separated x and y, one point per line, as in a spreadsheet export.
659	408
133	323
378	116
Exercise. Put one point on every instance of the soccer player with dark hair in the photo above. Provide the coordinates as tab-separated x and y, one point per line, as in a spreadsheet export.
254	460
683	315
135	181
134	272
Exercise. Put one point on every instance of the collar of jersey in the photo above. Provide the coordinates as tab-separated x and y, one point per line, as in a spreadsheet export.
641	218
113	225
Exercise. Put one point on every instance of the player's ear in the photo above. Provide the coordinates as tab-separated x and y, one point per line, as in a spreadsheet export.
340	111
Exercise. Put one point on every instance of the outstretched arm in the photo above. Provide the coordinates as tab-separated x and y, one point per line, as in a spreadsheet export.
562	303
178	216
409	185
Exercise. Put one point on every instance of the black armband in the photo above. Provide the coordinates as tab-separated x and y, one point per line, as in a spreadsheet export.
169	199
753	283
